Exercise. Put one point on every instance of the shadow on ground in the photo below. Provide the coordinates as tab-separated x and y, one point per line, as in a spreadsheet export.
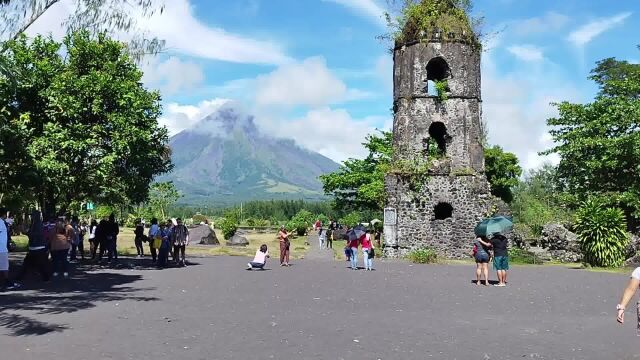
21	311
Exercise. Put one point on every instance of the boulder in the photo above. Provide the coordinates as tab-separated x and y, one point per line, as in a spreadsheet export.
203	234
558	237
633	251
238	240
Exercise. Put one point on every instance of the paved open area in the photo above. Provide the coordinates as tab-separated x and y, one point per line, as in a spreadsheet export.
317	309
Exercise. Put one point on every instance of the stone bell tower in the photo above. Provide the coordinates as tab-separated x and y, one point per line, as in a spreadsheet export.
441	134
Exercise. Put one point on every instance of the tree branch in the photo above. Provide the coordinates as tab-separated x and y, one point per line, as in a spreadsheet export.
33	18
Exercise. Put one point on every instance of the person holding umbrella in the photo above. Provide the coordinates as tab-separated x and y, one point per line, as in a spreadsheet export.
355	237
481	255
496	226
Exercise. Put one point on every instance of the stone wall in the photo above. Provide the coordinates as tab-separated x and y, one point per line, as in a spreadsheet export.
417	226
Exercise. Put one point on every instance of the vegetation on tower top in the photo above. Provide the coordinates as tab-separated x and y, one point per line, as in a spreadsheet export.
433	20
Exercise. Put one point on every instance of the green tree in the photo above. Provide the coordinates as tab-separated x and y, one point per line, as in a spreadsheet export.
86	127
599	143
162	195
502	171
359	183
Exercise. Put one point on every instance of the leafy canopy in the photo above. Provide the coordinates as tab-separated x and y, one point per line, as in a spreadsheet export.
599	143
81	126
162	195
359	183
502	171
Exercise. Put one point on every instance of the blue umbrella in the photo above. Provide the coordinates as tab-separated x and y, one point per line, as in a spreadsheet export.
498	224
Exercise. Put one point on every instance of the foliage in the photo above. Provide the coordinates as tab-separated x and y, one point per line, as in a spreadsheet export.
602	234
229	224
262	223
300	222
199	219
423	256
442	88
83	125
443	20
502	170
323	219
352	219
97	17
359	183
103	211
522	256
599	142
416	170
279	210
538	200
161	195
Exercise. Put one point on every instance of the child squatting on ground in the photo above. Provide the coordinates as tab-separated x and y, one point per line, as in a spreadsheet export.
260	260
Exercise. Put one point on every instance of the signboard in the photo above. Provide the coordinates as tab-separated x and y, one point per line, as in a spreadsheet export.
390	217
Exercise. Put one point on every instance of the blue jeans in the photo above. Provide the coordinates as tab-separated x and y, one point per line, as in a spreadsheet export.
354	257
368	262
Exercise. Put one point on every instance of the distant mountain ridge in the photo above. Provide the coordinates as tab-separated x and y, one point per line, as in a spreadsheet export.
225	159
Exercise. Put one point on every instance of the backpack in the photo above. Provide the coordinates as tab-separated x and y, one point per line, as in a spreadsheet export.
75	236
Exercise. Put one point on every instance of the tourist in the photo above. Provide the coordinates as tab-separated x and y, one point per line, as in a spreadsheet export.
481	255
163	251
93	243
317	225
329	238
353	245
4	253
629	291
101	238
140	238
8	223
500	257
154	236
180	237
37	256
112	238
75	239
285	244
367	251
60	244
260	260
322	237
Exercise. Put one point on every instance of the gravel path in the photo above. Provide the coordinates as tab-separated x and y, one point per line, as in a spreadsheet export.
317	309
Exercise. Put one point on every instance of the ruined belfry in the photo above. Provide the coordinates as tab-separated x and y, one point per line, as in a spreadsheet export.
437	190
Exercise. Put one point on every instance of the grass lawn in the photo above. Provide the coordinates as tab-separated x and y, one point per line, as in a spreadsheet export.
126	245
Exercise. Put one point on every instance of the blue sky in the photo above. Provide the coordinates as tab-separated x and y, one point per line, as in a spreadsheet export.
313	70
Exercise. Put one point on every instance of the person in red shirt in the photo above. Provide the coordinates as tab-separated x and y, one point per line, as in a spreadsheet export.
367	251
283	236
353	245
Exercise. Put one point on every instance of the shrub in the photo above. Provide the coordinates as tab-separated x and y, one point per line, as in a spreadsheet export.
324	219
262	222
229	225
352	219
198	218
251	222
522	256
602	234
423	256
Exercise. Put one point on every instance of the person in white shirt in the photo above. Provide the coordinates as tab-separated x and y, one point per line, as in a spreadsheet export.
628	293
260	260
4	253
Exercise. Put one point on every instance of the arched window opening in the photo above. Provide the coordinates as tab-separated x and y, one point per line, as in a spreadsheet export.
438	134
443	211
437	69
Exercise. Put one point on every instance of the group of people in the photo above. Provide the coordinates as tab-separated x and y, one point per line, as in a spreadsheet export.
262	254
164	239
487	249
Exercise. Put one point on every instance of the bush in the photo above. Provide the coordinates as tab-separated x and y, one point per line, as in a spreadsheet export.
423	256
198	218
352	219
324	219
602	234
262	223
522	256
251	222
229	225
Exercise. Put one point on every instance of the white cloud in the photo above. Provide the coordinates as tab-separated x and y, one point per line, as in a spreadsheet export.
516	106
178	117
309	83
172	75
332	132
526	52
183	33
368	8
551	21
584	34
